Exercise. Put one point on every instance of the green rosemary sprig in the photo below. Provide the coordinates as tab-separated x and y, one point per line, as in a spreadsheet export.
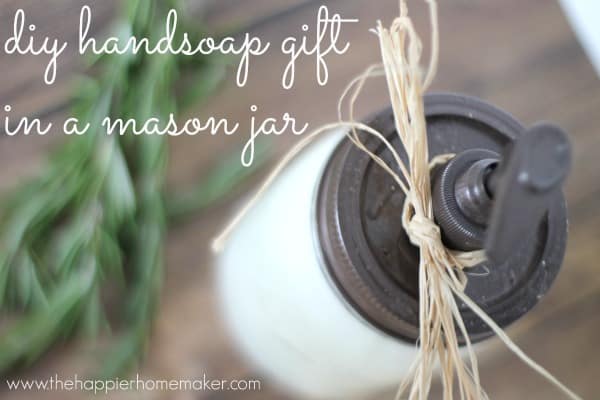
93	224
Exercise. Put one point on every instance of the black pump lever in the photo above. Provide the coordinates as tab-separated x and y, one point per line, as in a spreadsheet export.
482	200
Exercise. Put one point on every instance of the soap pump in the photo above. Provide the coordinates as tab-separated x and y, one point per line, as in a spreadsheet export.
319	282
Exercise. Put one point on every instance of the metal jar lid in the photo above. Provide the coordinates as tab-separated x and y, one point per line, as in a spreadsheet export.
368	254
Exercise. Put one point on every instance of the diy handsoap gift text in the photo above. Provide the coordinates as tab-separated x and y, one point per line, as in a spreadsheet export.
325	40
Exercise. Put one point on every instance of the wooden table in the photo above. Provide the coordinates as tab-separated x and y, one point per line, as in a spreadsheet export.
518	54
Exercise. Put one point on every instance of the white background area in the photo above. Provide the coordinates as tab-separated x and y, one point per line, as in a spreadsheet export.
584	16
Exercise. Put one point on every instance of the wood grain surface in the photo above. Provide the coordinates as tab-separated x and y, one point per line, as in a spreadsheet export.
520	55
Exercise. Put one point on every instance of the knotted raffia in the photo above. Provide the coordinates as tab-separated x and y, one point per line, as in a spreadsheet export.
441	270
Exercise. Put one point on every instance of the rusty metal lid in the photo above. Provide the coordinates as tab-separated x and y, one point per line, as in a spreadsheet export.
369	255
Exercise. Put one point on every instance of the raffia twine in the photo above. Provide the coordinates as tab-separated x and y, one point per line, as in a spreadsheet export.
441	270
